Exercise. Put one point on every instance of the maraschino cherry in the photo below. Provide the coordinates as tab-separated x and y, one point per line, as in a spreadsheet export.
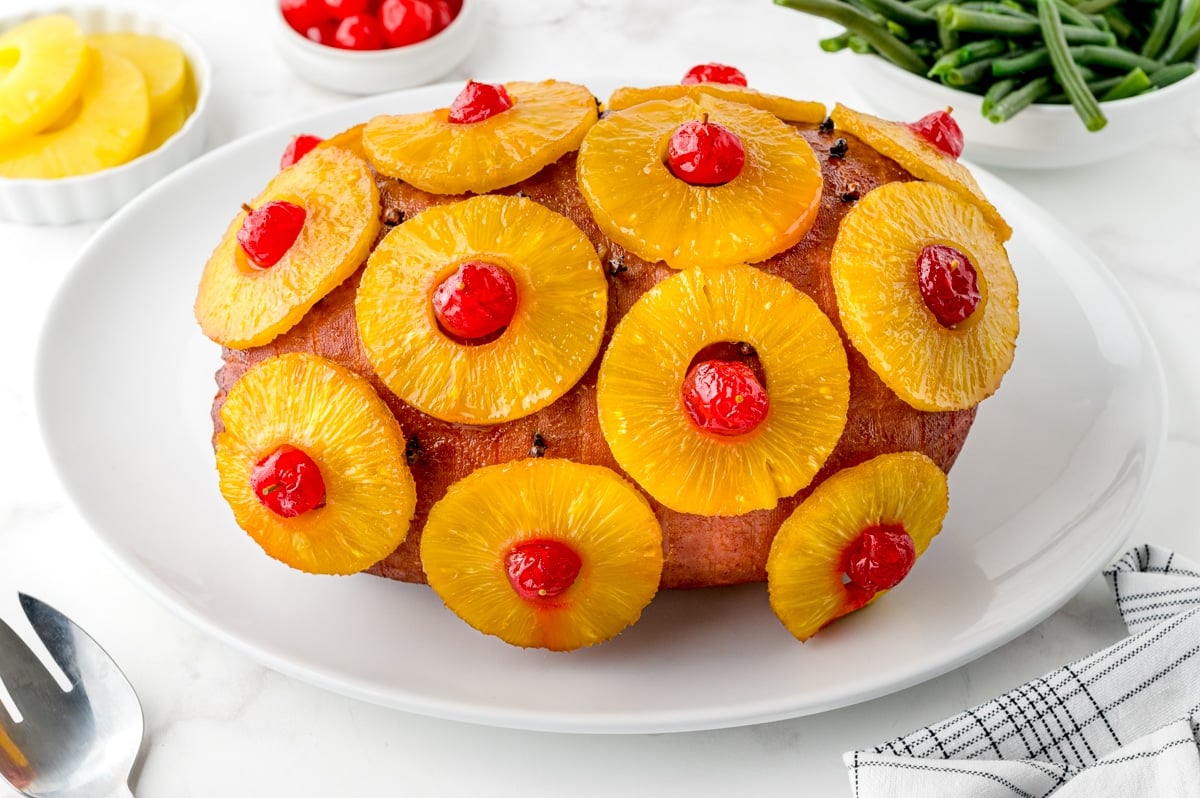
714	73
940	130
269	231
541	569
297	148
477	300
407	21
703	153
288	482
359	32
724	397
479	101
879	558
948	283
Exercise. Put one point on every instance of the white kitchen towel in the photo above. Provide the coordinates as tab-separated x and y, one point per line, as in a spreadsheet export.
1123	722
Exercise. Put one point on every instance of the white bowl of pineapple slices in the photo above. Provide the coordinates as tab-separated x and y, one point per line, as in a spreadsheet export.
96	104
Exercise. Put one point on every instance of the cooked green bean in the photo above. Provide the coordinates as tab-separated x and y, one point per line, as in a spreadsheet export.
1065	68
964	20
901	12
997	92
833	44
1188	17
969	73
1187	43
1112	57
1095	6
966	54
1019	99
1172	74
1164	24
858	23
1131	85
1017	63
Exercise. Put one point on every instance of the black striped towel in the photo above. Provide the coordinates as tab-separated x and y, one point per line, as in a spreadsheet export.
1122	722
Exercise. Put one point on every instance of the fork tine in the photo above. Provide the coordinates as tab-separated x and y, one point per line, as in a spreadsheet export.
27	680
63	638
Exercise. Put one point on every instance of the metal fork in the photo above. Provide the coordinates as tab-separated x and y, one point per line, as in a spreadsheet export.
80	743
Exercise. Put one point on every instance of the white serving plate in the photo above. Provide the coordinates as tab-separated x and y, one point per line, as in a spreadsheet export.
1050	482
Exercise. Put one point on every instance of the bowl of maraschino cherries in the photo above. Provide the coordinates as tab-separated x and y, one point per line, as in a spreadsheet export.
372	46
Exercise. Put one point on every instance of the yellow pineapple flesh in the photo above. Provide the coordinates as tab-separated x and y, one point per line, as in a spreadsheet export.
107	127
338	420
547	120
648	429
242	307
160	61
785	108
806	567
43	65
589	509
551	341
874	269
923	160
641	205
350	139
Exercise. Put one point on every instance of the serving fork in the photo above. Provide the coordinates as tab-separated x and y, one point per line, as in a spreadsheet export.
77	743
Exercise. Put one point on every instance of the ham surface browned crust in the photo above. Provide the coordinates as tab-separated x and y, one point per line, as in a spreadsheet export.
699	551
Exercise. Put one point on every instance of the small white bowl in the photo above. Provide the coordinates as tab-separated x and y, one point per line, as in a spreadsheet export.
1040	136
378	71
95	196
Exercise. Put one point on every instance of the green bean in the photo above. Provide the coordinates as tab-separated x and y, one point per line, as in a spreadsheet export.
1132	84
969	74
966	54
996	92
902	13
859	45
858	23
1188	17
968	21
1119	24
1112	57
833	44
1164	24
1015	64
1065	68
1172	74
1095	6
925	5
1177	51
1019	99
995	8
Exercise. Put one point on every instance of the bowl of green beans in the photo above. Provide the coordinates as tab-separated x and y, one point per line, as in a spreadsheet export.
1033	83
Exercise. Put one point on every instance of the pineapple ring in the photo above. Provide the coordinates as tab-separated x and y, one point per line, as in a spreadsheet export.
546	121
241	307
639	204
641	409
874	271
785	108
805	564
338	420
590	508
106	127
923	160
551	341
45	77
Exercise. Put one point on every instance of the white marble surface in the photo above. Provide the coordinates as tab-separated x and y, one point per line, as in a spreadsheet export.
217	723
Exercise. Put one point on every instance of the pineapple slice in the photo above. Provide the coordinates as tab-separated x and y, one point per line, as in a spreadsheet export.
641	205
566	555
337	420
160	61
350	139
785	108
551	340
105	129
641	409
810	569
546	121
43	65
239	306
923	160
874	267
165	125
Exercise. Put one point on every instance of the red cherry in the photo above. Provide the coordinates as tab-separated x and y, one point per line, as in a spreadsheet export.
541	569
406	21
298	148
301	15
714	73
948	282
322	34
444	13
288	482
359	32
269	231
703	153
724	397
879	558
340	9
940	130
479	101
476	301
